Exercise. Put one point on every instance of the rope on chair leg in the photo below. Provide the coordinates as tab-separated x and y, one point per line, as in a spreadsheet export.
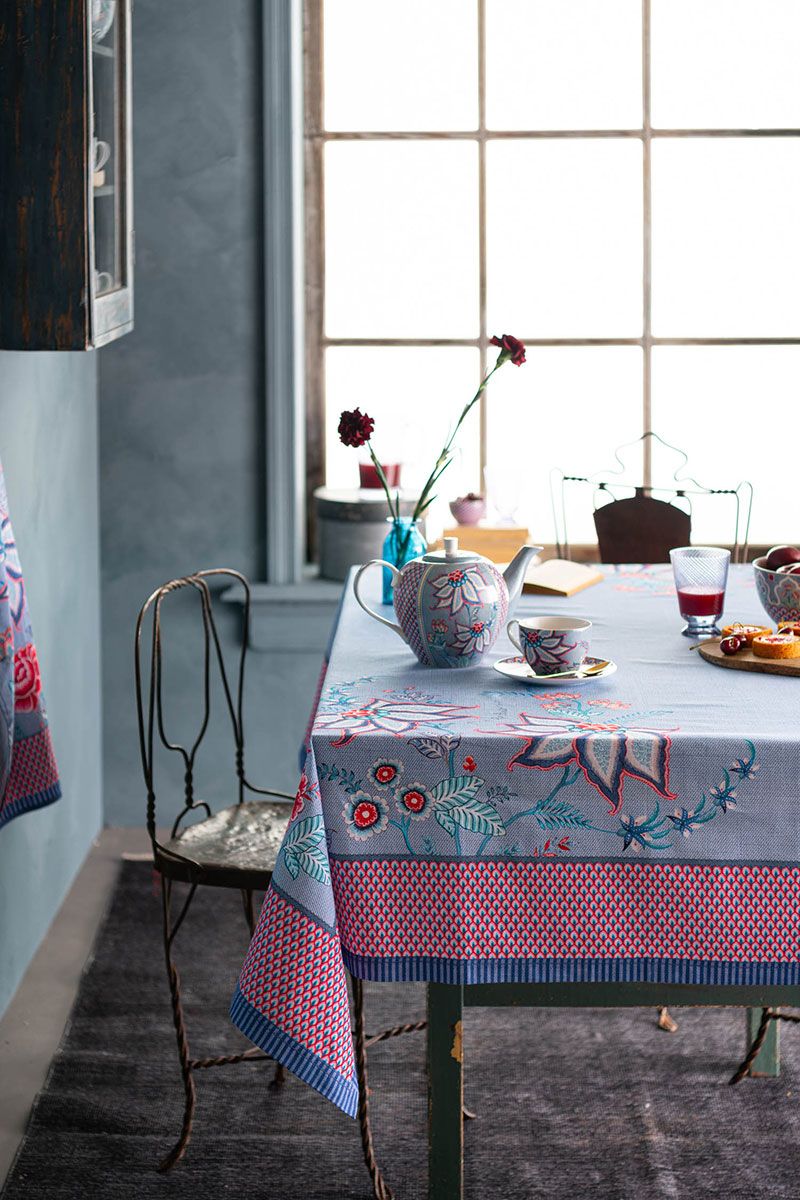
380	1188
767	1015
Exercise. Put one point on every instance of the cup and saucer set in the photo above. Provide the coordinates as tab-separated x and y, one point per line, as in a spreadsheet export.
552	651
451	604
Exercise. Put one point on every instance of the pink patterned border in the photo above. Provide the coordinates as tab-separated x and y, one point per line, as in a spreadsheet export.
568	910
294	977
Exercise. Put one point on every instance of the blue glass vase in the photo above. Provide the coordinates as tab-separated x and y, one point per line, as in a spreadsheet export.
402	543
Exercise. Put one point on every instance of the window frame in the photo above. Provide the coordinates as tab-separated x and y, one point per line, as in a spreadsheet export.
316	137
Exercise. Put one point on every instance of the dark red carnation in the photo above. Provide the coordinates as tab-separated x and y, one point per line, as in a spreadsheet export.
511	347
355	428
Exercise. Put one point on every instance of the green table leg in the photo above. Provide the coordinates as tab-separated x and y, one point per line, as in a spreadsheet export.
445	1092
768	1060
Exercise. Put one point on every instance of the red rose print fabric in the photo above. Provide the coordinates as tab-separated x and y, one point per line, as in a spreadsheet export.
28	772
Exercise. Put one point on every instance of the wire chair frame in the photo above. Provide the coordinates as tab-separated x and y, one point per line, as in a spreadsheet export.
152	720
152	728
680	487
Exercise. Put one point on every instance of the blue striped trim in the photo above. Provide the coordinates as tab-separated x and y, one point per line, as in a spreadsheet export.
569	970
28	803
300	1061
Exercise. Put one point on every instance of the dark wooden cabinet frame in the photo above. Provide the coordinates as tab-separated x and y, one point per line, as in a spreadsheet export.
47	261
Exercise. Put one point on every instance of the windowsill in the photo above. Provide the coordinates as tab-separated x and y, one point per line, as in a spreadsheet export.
290	617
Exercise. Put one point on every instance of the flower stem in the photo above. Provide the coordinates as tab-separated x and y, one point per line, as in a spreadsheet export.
394	510
444	459
403	827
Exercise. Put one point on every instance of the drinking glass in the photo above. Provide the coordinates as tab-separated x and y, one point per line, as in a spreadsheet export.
701	574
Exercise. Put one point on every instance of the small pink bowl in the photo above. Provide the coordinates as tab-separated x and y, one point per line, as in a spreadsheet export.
468	512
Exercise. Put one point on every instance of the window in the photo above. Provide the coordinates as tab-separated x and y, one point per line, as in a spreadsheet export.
614	181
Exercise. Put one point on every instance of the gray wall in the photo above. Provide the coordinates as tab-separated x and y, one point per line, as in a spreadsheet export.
181	428
48	445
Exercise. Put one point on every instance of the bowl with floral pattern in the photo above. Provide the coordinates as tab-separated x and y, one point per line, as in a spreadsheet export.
778	592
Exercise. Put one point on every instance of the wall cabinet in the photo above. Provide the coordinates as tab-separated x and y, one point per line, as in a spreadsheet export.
66	196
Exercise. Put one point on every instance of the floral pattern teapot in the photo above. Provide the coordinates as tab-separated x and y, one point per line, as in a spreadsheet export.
451	604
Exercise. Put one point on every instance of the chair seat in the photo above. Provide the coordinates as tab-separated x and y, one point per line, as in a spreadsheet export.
236	847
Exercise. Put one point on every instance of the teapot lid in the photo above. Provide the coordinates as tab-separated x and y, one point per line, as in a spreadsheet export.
452	554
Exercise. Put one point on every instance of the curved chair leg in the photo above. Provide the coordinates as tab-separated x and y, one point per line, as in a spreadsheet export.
179	1149
380	1188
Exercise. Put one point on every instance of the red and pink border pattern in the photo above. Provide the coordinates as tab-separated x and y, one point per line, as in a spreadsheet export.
294	977
568	910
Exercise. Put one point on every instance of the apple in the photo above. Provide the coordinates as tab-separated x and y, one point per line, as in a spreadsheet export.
781	556
789	569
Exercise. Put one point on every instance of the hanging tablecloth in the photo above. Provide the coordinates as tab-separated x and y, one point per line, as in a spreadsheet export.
28	772
454	826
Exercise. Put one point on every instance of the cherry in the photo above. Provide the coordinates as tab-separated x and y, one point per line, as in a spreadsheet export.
730	645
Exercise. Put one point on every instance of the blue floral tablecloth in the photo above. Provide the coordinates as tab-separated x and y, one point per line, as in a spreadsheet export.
455	826
28	772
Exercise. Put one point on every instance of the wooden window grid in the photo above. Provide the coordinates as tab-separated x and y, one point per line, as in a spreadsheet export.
316	137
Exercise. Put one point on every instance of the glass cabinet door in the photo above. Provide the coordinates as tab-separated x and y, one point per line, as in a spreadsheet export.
110	168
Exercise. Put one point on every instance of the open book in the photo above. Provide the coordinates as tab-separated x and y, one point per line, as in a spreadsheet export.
558	577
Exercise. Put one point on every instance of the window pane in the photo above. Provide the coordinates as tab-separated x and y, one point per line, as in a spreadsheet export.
415	396
528	434
725	64
573	64
726	239
564	237
401	232
712	401
401	66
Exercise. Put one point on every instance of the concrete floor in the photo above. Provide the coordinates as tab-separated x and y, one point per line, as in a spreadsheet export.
31	1028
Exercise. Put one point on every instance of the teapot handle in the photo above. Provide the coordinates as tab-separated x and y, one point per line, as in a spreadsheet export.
377	562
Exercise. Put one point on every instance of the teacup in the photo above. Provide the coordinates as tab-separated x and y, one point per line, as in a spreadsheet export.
550	645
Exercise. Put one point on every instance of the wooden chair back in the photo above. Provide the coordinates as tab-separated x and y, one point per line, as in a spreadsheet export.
640	529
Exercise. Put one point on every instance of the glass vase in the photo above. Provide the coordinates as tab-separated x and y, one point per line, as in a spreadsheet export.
402	543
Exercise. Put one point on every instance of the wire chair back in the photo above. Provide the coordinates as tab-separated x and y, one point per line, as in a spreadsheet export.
150	697
679	491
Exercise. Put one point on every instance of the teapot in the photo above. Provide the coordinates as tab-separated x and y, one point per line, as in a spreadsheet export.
451	604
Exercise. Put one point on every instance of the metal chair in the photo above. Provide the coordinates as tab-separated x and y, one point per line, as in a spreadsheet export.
236	847
643	526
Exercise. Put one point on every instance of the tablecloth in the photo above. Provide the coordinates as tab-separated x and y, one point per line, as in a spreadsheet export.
455	826
28	772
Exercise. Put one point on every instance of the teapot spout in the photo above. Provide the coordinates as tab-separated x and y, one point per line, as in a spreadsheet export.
514	574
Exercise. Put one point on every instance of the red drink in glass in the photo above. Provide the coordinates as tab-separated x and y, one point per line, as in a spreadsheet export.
701	575
698	601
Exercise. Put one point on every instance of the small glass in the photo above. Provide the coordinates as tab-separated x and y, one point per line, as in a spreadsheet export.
403	542
701	575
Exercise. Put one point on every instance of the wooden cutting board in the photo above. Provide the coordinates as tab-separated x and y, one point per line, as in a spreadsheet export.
745	660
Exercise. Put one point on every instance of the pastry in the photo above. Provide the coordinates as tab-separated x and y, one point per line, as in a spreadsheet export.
789	627
776	645
746	633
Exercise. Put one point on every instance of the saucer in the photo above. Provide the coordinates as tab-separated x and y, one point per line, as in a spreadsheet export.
517	668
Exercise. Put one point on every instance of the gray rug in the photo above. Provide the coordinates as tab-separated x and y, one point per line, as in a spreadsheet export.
570	1104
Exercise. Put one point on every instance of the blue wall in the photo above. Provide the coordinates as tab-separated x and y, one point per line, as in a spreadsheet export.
48	445
181	423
